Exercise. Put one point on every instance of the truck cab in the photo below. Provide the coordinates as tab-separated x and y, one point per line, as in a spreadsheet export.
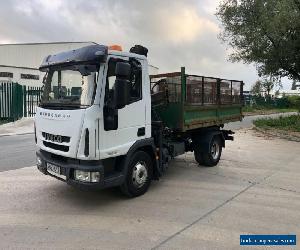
95	107
94	126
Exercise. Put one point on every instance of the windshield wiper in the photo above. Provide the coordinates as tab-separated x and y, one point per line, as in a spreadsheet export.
56	105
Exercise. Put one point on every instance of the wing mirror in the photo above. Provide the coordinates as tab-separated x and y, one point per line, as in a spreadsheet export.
121	91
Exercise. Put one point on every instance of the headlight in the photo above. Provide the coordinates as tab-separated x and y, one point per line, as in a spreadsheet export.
86	176
95	176
82	176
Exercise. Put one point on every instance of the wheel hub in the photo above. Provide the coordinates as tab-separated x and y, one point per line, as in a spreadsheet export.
215	150
139	174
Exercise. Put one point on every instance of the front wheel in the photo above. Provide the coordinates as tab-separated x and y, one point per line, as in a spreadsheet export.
139	175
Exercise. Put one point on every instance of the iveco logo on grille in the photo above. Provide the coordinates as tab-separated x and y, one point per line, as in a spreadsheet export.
53	138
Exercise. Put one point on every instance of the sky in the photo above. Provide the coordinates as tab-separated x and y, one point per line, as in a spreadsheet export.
177	33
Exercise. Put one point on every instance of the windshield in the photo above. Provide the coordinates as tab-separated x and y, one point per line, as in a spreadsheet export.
71	86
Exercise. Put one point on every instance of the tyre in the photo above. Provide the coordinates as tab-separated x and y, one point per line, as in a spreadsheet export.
139	175
212	157
198	155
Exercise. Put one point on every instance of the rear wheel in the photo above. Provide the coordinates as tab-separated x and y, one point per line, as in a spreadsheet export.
198	155
139	175
212	157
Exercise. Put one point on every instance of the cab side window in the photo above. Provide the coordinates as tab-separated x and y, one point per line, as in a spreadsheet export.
110	81
135	80
135	90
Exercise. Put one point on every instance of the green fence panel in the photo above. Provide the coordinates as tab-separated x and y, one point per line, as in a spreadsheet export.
17	101
32	100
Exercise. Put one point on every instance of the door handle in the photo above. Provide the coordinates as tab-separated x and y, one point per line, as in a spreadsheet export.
141	131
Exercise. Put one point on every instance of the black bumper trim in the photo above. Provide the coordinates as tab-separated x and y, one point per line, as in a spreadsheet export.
70	165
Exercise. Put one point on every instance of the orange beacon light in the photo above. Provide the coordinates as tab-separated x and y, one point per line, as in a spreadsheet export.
115	47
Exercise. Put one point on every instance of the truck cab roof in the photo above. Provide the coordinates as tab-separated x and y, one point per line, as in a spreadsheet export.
92	54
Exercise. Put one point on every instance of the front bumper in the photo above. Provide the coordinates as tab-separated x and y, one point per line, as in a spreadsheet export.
68	166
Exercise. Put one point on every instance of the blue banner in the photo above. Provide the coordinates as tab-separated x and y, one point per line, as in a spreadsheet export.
267	240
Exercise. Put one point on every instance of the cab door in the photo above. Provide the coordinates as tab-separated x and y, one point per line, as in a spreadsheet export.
122	127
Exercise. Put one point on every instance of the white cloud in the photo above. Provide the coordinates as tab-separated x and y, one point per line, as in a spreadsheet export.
177	33
184	25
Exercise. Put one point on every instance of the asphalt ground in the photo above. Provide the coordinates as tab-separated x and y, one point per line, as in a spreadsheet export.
17	151
255	189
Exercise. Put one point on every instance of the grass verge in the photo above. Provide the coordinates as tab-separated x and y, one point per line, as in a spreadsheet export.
257	110
287	123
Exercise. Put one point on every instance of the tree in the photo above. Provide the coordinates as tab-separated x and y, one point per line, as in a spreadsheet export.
267	85
257	89
264	32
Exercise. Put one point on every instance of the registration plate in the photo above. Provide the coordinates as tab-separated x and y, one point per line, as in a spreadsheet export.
54	170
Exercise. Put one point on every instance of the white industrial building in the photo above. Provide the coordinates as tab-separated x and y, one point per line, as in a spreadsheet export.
283	93
20	62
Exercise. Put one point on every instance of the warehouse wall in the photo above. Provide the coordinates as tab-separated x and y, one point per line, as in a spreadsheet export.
17	76
26	58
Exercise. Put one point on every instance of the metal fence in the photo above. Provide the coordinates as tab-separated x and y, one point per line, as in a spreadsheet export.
18	101
32	98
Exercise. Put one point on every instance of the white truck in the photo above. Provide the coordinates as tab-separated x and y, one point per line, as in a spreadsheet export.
103	122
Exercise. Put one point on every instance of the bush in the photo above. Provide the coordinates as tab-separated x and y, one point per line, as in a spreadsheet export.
282	102
261	103
294	102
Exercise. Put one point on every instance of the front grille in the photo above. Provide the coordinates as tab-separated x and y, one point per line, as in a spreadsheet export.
56	146
50	137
